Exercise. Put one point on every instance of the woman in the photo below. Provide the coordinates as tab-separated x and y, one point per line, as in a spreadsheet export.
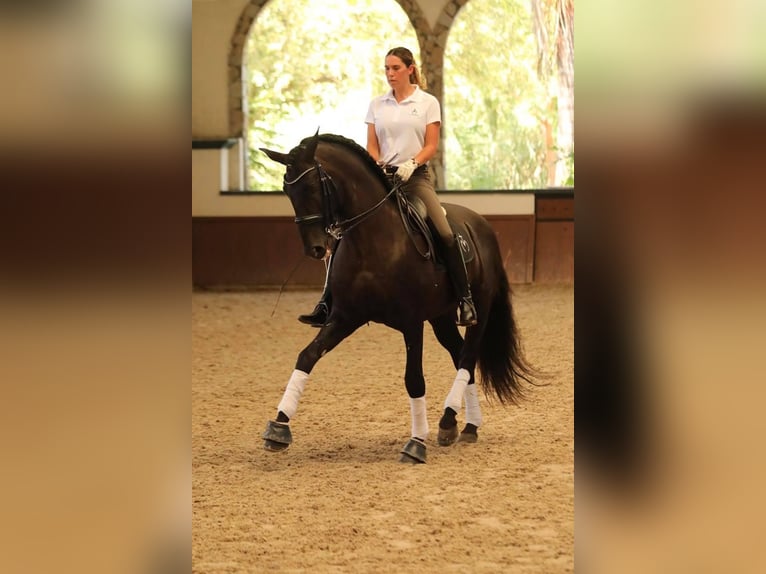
402	136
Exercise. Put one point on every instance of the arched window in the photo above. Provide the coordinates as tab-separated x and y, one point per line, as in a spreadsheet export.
500	97
315	65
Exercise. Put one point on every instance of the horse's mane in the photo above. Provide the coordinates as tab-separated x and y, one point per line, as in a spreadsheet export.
358	150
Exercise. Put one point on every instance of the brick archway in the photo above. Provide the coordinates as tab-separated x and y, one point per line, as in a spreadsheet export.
432	44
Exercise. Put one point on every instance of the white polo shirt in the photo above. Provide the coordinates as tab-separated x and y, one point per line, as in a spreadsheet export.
401	126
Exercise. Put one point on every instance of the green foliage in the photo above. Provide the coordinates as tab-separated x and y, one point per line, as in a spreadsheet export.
569	159
317	64
495	102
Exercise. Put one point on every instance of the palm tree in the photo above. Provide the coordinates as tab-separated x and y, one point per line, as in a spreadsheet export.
554	30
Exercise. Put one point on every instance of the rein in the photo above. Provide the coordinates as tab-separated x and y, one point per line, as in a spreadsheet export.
336	228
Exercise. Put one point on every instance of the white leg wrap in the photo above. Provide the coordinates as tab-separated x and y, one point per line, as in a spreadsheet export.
293	392
419	418
472	409
454	399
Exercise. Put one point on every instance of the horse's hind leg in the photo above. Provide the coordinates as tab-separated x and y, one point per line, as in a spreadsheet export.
473	417
463	387
448	335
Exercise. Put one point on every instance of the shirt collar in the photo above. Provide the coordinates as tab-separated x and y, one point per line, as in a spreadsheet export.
414	96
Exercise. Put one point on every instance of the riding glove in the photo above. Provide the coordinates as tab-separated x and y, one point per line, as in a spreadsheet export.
405	170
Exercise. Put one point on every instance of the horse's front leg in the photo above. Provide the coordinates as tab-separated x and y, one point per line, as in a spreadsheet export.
277	435
415	449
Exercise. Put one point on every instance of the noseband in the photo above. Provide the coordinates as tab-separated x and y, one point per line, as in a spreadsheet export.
329	216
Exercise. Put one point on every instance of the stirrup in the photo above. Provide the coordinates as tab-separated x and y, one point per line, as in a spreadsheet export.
318	317
466	313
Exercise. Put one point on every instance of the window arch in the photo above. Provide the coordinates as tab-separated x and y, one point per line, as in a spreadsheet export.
431	34
307	67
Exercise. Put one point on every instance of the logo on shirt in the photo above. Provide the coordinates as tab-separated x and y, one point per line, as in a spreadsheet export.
414	112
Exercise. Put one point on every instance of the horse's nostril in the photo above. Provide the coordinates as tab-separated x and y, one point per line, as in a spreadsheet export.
318	252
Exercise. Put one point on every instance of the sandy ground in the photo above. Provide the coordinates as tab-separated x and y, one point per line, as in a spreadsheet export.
338	500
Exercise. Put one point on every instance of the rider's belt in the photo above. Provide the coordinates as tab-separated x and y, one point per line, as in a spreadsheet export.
390	170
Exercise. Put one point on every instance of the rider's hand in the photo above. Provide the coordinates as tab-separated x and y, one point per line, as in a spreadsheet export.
405	170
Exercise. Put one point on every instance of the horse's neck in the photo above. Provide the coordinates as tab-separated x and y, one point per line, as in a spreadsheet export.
372	213
359	190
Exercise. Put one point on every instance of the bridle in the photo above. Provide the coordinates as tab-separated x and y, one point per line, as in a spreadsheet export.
329	216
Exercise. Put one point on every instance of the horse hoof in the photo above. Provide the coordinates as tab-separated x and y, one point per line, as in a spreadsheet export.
468	437
407	459
414	452
272	446
447	437
277	436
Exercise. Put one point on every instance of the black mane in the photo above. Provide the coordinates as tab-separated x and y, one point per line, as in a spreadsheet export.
355	148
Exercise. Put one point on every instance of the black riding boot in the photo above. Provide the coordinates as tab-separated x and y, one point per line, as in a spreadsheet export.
459	276
318	317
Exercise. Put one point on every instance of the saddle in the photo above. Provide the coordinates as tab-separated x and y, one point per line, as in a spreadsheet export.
419	226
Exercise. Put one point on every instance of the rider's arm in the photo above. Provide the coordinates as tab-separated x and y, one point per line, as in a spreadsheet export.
430	145
373	147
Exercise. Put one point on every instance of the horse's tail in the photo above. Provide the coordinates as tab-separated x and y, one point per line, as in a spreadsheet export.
501	362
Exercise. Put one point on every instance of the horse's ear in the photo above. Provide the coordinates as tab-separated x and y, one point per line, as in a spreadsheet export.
279	157
311	147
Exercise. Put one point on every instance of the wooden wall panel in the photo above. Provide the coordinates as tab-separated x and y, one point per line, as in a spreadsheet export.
554	252
250	252
554	238
554	208
515	234
239	252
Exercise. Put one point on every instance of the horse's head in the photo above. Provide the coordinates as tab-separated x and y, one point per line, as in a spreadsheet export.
303	185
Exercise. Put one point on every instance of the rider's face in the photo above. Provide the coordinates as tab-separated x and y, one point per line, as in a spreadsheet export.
397	73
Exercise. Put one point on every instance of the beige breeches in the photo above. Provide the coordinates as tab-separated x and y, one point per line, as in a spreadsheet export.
420	185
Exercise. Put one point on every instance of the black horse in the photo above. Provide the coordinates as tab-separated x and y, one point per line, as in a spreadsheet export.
379	273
